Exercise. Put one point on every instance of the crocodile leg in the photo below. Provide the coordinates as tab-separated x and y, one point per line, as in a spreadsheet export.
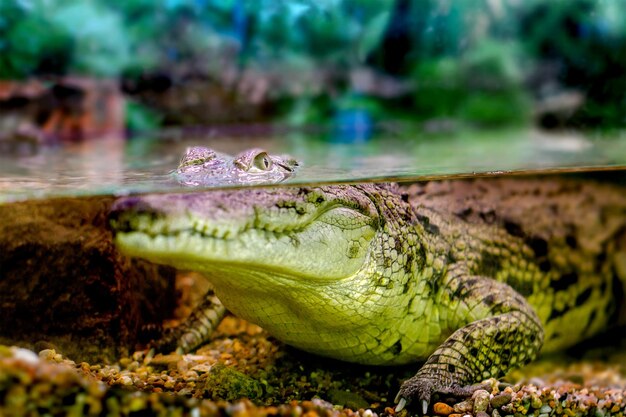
196	329
498	331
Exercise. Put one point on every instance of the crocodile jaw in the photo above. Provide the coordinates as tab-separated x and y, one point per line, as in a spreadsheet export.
285	243
289	254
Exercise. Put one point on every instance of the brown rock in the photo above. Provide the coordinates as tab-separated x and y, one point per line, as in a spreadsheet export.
63	284
501	399
464	407
481	400
442	409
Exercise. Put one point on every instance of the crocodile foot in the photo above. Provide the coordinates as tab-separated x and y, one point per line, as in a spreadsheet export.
420	390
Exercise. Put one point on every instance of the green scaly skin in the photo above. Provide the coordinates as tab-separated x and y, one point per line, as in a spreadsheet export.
473	277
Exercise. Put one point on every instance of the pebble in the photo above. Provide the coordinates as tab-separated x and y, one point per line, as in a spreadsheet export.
481	401
535	401
481	414
66	379
501	399
442	409
463	407
125	380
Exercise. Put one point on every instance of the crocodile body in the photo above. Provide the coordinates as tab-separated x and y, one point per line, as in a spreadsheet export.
474	277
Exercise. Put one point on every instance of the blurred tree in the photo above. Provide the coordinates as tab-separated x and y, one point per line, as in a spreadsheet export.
30	43
587	43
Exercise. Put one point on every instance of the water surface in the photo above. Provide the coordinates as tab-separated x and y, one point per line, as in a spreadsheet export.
120	167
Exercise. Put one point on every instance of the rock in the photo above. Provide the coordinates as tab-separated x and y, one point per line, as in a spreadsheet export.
64	286
481	401
442	409
535	402
464	407
224	382
501	399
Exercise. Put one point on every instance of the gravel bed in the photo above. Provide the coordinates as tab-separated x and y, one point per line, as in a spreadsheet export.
244	372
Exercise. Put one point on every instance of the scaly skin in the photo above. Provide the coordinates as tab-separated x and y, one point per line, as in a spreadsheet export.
472	276
204	166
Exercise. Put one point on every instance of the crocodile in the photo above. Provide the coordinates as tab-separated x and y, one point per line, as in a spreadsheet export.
201	166
474	277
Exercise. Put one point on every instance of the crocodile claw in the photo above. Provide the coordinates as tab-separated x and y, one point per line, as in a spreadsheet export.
403	402
421	390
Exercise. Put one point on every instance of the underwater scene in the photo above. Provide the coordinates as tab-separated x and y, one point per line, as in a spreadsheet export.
304	208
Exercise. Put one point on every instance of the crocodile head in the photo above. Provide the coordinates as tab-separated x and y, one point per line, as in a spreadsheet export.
204	166
300	262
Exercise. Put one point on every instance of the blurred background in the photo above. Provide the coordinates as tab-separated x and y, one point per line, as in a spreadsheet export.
73	70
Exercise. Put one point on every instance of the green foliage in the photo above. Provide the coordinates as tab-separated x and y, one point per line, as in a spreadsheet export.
140	118
57	37
483	86
101	47
29	44
438	89
495	108
587	38
337	32
466	59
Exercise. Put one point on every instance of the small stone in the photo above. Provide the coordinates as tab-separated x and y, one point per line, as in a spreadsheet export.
501	399
126	380
481	401
481	414
25	355
347	399
495	413
463	407
442	409
535	401
545	409
455	415
544	415
47	354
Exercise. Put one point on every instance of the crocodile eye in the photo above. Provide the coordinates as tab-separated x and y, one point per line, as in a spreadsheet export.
263	161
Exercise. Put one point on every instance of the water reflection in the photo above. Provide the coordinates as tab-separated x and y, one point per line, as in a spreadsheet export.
144	164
